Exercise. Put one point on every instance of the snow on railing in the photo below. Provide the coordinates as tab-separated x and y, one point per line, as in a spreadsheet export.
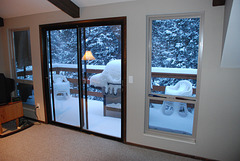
180	73
74	66
174	70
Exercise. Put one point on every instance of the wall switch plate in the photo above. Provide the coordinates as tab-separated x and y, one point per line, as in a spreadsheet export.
130	80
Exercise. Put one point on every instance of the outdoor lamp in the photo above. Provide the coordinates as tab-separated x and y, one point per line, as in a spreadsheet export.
88	56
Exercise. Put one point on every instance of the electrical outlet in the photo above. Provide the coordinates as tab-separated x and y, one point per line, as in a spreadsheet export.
38	105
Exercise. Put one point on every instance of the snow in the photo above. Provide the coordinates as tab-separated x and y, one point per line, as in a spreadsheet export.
115	105
174	70
178	45
110	78
154	69
174	122
113	88
58	65
61	87
168	32
67	112
182	49
182	88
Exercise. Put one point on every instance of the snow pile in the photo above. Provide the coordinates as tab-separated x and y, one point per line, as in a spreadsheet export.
110	78
115	105
173	123
61	87
182	88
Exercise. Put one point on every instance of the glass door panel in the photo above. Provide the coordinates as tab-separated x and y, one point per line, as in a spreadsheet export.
102	79
63	76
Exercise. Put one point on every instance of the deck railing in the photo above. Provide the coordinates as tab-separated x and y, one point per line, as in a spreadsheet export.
185	74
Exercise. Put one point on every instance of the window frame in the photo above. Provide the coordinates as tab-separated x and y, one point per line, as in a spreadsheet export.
13	57
13	68
163	97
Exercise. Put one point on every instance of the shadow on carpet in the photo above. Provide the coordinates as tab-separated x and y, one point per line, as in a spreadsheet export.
10	128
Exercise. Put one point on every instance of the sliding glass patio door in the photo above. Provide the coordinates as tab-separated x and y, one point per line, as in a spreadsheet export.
85	91
63	76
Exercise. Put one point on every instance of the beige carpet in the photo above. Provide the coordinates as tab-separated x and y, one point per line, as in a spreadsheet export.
51	143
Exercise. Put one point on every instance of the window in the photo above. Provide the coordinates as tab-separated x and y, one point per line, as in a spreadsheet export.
22	66
172	67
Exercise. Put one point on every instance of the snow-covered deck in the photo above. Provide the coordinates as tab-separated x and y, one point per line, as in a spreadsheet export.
67	112
173	123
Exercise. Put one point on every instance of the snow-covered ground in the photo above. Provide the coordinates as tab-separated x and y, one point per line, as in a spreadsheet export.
172	123
67	112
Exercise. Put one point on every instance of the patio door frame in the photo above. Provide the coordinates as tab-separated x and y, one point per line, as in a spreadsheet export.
45	70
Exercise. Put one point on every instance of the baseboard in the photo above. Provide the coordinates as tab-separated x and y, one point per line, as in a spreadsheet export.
35	120
170	152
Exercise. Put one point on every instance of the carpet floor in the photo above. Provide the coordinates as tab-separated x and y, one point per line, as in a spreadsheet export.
51	143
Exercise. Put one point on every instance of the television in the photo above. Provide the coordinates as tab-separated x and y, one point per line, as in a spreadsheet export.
7	86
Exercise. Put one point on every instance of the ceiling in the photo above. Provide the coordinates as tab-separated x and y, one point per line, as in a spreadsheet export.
16	8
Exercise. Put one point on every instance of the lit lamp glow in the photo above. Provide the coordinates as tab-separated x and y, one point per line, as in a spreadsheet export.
86	57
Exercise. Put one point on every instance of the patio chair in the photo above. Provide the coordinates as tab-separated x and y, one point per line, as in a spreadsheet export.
61	87
182	88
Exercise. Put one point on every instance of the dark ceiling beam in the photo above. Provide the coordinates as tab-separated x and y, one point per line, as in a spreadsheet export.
67	6
218	2
1	22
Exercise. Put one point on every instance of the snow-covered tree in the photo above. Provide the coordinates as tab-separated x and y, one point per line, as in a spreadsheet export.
175	43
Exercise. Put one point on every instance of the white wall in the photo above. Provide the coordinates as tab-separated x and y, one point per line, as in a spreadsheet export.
218	129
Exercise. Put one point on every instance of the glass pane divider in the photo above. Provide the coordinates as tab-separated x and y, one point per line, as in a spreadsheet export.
172	98
185	98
